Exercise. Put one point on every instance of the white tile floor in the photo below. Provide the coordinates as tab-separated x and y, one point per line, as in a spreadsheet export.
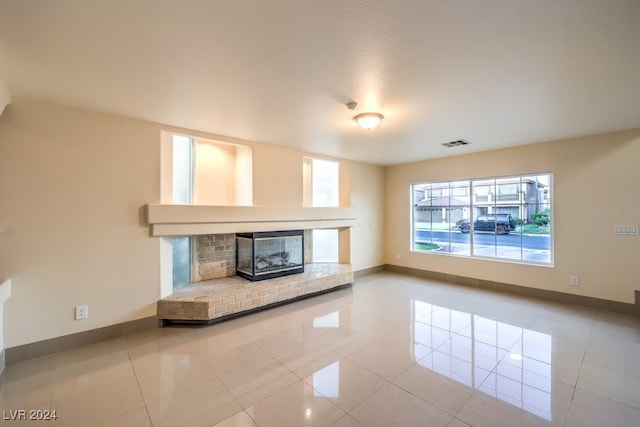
392	350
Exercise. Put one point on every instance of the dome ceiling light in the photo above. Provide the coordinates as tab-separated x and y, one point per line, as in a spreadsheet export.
366	121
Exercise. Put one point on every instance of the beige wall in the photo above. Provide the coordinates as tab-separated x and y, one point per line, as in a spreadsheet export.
595	187
5	98
277	176
216	173
5	293
72	187
368	198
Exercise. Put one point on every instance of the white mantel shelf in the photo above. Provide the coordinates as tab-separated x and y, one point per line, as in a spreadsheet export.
189	220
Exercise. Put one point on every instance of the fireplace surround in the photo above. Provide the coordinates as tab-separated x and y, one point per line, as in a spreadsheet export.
266	255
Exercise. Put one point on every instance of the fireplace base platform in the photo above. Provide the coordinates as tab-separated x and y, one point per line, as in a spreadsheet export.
212	300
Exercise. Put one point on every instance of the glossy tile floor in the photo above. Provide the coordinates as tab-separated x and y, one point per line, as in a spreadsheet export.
392	350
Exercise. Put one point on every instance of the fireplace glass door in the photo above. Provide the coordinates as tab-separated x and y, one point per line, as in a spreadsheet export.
266	255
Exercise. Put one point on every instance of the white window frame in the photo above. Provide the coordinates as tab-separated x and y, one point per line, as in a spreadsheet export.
527	254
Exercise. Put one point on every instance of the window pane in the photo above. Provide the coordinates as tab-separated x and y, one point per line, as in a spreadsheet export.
536	218
325	183
423	218
483	218
507	206
181	169
458	218
325	245
438	216
440	213
181	261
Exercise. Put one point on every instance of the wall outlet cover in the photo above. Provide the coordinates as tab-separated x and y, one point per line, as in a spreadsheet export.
82	312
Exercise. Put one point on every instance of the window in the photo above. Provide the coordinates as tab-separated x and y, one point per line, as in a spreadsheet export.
321	183
505	218
435	192
322	189
508	191
182	193
182	169
181	261
462	191
325	245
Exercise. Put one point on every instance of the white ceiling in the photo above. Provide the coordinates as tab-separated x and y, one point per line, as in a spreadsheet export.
495	72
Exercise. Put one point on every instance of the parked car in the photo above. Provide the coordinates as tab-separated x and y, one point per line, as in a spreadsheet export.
496	223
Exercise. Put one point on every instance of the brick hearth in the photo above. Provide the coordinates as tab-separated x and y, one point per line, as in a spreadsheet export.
218	298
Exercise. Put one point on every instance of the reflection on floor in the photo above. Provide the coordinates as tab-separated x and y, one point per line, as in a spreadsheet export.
391	350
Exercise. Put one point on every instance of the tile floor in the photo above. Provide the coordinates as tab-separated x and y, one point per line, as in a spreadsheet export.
392	350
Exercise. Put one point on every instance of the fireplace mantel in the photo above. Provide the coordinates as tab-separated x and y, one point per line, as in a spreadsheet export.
190	220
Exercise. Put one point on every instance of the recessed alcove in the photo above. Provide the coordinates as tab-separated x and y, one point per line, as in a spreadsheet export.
202	171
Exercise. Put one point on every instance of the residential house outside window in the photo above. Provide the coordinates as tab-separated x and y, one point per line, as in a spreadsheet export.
506	218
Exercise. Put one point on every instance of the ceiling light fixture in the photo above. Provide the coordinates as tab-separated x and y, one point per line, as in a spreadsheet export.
368	121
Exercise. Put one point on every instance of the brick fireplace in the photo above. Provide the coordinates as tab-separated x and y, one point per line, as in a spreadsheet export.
216	255
218	293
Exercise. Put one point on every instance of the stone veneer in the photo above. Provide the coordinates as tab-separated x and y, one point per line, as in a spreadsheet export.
213	299
216	256
308	246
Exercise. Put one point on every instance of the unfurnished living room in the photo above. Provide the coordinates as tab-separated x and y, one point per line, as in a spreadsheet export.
328	213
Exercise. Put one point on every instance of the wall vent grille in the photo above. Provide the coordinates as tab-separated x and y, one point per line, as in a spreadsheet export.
457	143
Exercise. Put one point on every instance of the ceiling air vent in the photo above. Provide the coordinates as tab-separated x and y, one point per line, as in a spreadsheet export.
456	143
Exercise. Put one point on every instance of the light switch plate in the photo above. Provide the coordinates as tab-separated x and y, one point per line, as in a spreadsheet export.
625	229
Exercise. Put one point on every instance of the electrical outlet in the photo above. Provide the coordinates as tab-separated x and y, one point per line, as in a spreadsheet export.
82	312
397	256
574	280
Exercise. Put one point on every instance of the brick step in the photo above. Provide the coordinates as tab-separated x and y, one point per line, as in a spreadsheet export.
228	296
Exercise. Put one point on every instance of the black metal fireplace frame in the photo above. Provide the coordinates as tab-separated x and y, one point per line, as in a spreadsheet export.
257	276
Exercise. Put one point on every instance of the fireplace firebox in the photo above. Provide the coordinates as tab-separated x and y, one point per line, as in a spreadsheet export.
269	254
